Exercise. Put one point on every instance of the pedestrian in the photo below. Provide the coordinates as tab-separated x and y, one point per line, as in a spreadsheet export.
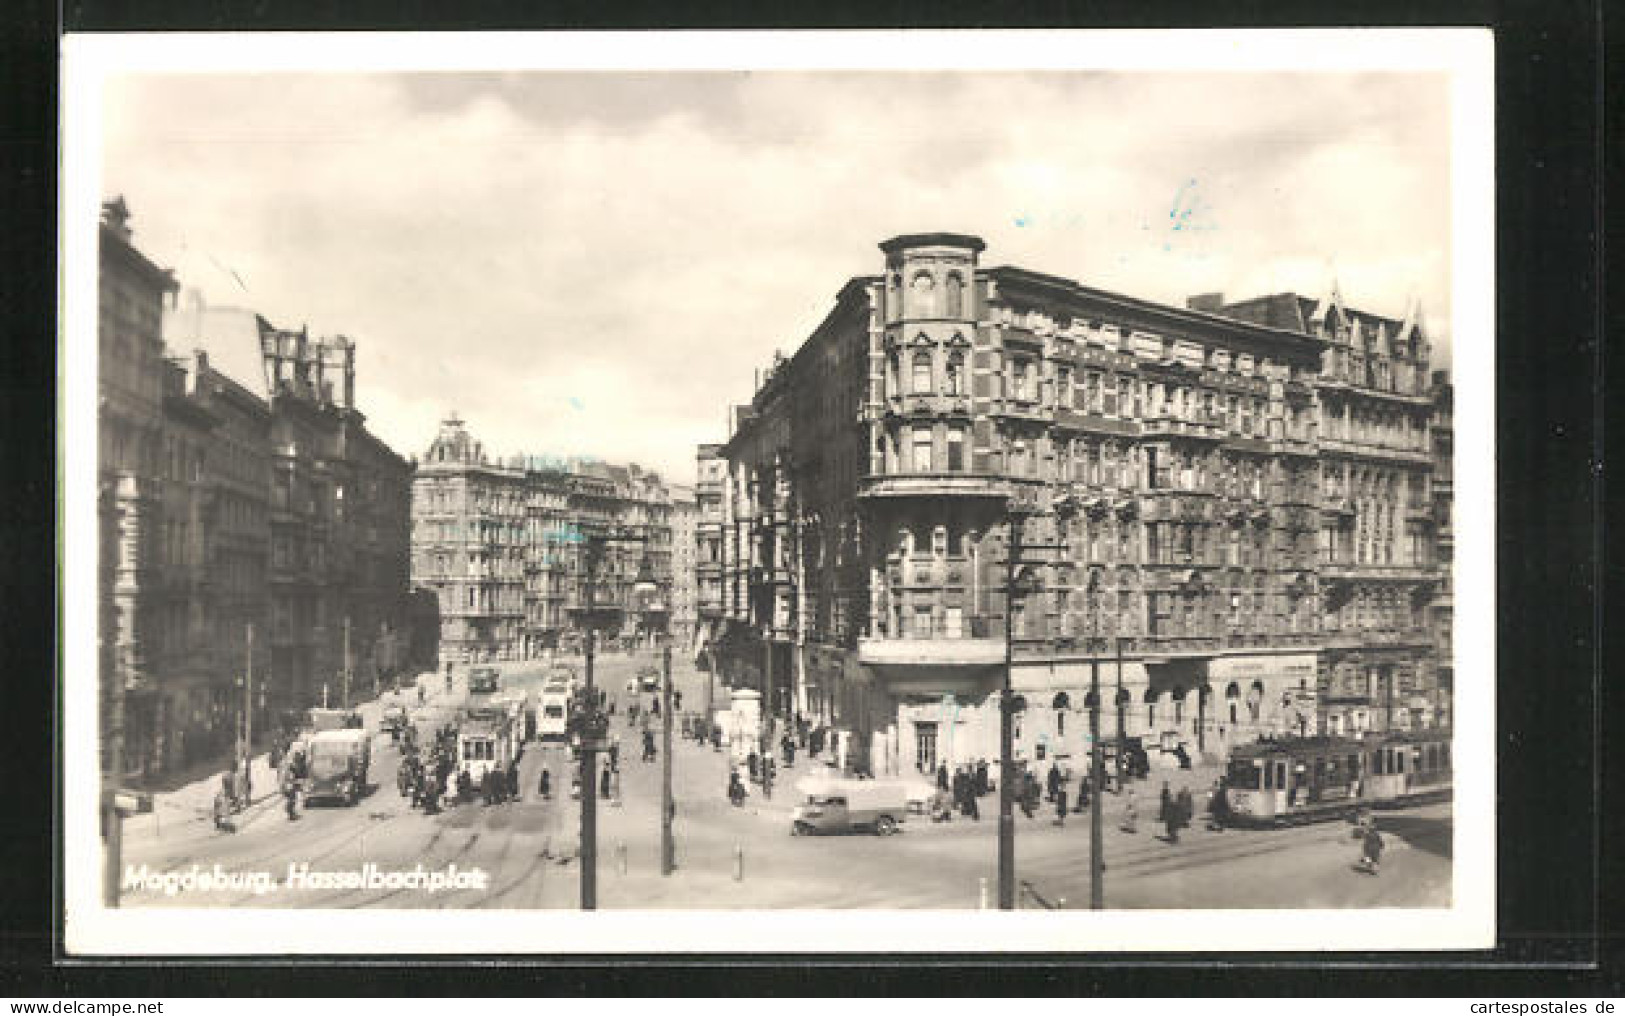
513	780
1371	850
788	745
753	765
603	783
1052	782
545	787
1165	813
970	801
1187	808
648	746
1131	812
736	789
615	753
290	791
1060	805
981	778
942	776
1217	807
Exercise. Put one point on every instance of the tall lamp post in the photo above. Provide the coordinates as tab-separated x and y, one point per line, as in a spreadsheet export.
1019	582
591	723
646	590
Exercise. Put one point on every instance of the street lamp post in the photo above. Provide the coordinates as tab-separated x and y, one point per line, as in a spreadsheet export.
1007	818
668	849
589	755
1097	777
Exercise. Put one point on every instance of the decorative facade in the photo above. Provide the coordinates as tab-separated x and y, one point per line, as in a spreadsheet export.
1216	508
502	547
684	578
251	524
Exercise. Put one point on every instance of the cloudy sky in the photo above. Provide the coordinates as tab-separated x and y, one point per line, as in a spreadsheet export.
595	263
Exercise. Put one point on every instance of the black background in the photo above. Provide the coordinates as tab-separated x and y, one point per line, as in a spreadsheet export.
1559	896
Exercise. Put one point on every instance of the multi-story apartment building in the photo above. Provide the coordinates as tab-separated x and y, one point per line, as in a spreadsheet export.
240	491
468	545
711	477
684	576
1377	560
133	451
340	538
1441	610
504	547
1188	538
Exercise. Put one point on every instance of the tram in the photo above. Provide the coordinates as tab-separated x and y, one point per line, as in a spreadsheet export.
1311	778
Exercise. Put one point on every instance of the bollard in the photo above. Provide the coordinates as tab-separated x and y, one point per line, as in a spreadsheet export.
739	863
981	899
620	855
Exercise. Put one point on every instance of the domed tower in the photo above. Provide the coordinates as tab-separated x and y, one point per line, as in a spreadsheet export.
929	312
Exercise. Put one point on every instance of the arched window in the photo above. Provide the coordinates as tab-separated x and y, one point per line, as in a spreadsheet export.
955	295
956	373
921	374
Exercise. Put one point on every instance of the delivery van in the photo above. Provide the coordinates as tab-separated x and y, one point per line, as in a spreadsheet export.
838	805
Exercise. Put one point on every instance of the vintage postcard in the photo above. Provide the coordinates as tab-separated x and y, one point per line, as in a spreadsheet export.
702	492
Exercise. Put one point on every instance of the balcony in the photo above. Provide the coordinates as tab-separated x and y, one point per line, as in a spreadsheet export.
931	652
1343	571
932	485
1094	423
1168	425
928	404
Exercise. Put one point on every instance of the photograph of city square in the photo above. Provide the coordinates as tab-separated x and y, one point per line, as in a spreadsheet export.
776	490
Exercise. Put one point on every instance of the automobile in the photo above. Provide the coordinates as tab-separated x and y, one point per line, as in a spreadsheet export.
648	679
338	762
838	805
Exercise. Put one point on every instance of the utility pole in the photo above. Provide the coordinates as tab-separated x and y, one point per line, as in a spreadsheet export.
668	852
345	702
767	710
1122	732
1097	777
1007	768
248	716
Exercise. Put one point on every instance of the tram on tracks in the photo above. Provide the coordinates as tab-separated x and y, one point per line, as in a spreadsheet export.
1307	779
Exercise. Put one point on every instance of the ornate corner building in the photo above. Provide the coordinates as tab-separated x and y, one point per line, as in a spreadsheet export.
1226	511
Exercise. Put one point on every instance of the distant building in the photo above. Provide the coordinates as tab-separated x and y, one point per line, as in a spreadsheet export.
503	548
684	578
1223	510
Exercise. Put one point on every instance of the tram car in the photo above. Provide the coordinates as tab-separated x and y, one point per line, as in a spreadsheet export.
485	740
1409	768
1307	779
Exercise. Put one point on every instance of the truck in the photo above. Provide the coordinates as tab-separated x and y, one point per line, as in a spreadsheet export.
337	763
840	805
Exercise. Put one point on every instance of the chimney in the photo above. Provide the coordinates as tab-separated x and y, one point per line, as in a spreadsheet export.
1208	303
